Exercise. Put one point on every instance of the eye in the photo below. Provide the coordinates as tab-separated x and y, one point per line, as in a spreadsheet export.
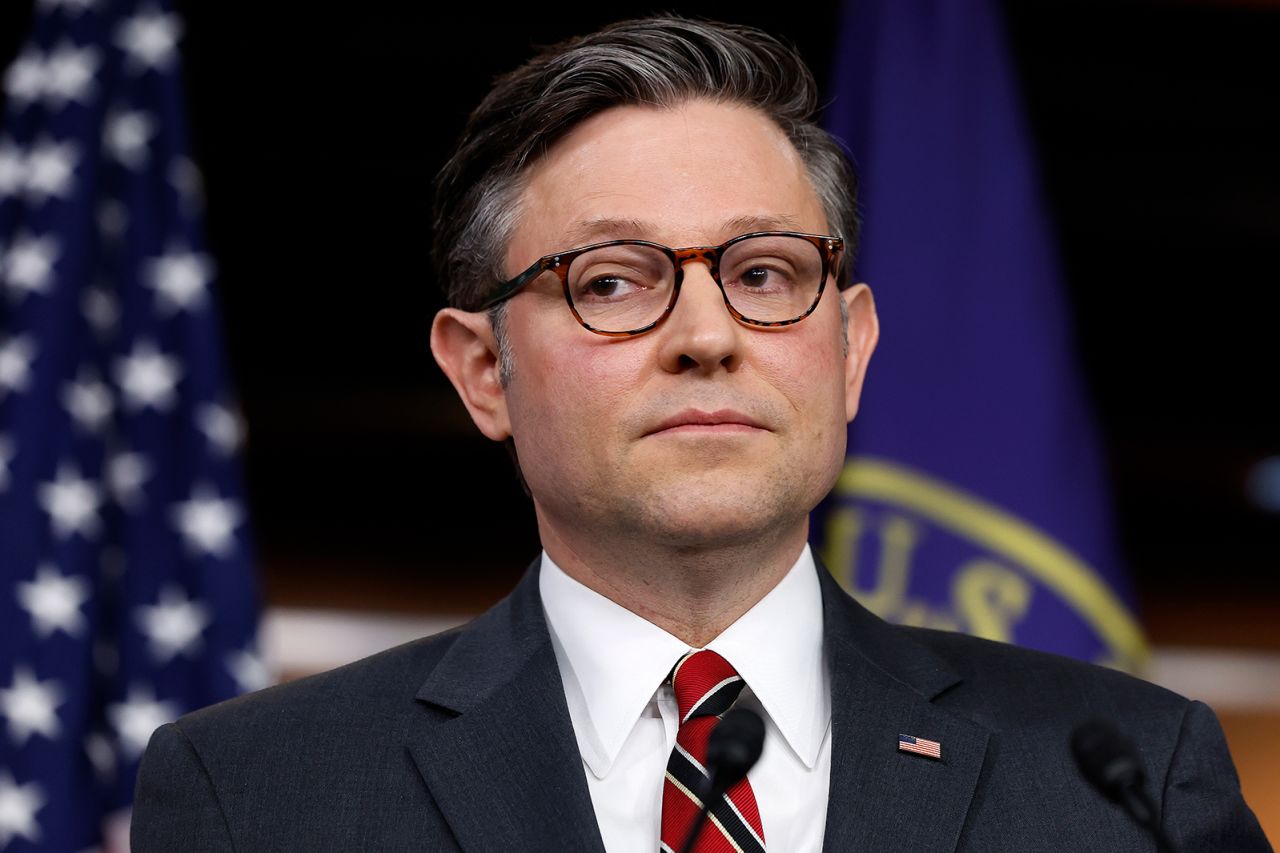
605	286
608	287
614	274
762	274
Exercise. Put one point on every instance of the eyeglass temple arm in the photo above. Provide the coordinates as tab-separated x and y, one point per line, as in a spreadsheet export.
510	288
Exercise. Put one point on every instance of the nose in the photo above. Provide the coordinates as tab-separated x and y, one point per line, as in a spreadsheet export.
700	334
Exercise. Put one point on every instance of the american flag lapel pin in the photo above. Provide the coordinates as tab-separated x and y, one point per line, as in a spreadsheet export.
920	746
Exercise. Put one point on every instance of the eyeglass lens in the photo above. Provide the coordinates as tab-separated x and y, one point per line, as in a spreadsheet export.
773	278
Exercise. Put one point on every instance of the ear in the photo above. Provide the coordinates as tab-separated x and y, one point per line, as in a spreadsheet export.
467	352
864	331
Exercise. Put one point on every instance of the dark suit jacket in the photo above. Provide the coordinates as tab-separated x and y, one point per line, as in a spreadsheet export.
463	741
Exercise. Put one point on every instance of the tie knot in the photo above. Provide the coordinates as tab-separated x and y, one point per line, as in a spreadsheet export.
705	685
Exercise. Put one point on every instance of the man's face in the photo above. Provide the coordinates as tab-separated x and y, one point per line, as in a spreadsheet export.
703	430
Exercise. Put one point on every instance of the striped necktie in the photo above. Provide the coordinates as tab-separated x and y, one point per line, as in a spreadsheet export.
706	686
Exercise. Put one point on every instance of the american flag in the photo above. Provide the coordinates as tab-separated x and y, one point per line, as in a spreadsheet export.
920	746
127	596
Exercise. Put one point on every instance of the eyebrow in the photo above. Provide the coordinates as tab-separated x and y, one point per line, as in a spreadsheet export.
608	228
595	230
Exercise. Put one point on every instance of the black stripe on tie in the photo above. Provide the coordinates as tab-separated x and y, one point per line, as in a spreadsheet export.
719	701
686	772
735	826
688	775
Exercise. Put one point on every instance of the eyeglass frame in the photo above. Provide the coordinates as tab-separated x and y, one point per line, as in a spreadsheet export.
829	249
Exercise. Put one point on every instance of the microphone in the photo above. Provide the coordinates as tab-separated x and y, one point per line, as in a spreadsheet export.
1109	762
733	748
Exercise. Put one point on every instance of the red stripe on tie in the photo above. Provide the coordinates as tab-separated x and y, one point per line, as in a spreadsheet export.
696	676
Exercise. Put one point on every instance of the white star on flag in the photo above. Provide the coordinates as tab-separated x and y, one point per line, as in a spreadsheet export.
6	456
24	81
53	601
126	135
18	807
68	74
137	717
31	706
72	503
179	279
249	670
173	625
28	265
16	356
101	310
88	401
221	426
148	377
150	39
207	522
126	472
49	168
13	169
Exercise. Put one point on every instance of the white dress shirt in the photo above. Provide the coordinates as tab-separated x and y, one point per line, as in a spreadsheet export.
613	664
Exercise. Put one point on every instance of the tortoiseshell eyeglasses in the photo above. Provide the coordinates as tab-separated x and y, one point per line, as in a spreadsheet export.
627	287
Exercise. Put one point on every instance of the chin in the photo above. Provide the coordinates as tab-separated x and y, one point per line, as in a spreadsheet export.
716	515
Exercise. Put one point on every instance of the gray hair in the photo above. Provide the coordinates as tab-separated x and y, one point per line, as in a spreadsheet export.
660	61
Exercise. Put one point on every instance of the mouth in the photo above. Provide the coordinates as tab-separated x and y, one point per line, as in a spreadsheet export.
698	422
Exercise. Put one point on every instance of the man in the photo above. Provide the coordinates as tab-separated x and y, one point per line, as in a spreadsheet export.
676	413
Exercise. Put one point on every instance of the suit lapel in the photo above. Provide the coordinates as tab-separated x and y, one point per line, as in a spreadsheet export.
882	685
496	744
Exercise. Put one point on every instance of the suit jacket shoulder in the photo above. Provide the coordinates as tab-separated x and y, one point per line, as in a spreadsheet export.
1184	754
1006	780
457	741
272	770
1039	686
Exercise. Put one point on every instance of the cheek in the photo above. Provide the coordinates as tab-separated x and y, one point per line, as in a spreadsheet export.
567	413
574	393
809	371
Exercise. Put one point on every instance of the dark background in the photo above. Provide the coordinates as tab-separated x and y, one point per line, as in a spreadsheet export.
319	132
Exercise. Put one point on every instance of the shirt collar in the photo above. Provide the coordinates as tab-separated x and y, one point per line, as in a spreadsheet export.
776	646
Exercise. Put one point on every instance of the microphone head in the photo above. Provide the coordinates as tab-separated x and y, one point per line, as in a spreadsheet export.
734	747
1107	759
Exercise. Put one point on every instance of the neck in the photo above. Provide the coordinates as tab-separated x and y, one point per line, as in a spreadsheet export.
693	593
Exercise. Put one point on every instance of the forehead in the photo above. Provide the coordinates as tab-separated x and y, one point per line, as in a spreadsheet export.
697	173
